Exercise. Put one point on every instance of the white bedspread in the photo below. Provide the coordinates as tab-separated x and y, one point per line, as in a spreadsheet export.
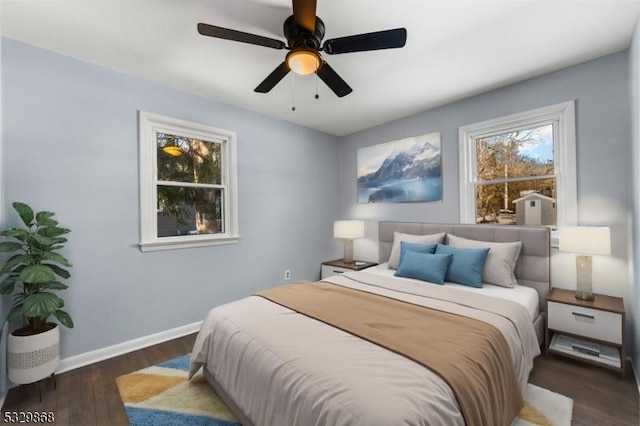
526	296
282	368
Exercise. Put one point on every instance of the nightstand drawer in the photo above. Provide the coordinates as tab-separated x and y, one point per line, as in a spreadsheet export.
328	270
580	321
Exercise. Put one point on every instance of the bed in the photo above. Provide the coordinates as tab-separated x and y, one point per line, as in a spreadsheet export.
275	366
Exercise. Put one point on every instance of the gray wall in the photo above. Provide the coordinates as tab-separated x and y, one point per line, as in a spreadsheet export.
604	166
634	258
71	146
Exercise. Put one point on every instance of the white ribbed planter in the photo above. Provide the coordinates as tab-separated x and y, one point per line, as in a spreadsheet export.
33	358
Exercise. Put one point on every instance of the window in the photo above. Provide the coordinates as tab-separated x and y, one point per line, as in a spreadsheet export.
188	191
520	169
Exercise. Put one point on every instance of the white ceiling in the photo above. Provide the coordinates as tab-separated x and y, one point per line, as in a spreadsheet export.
455	49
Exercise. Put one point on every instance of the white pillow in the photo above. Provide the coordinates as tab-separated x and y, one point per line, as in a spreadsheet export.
394	257
501	260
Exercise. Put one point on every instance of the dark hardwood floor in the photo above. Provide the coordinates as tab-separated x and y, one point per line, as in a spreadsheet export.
88	396
600	396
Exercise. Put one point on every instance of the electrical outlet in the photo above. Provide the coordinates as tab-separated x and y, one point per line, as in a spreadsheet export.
287	274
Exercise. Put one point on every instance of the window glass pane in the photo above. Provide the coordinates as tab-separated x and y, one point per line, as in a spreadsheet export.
521	153
517	203
183	159
189	211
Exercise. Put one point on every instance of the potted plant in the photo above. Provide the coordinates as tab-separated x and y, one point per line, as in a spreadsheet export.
32	274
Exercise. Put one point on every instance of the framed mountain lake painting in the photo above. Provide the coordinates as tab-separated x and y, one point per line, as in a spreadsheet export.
403	171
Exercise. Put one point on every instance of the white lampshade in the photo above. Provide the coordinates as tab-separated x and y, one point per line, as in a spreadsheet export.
585	239
349	229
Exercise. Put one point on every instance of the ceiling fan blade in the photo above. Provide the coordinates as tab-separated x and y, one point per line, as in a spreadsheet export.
273	78
387	39
304	14
333	80
233	35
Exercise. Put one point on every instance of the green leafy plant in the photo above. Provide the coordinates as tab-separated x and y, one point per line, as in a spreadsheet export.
34	270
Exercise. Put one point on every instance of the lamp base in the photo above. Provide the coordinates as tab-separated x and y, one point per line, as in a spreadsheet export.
583	295
348	250
583	269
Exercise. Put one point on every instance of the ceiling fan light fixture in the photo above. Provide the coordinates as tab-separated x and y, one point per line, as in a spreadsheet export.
303	61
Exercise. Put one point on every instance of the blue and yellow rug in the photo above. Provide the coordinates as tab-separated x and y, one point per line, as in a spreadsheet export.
162	396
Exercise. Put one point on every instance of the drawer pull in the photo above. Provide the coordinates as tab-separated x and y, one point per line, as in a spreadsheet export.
338	272
578	314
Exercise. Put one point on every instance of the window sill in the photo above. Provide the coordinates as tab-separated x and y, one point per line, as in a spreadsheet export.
174	245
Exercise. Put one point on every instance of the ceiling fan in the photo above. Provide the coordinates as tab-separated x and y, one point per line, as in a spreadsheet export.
304	32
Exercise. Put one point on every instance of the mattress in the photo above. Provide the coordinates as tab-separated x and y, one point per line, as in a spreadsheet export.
282	368
525	296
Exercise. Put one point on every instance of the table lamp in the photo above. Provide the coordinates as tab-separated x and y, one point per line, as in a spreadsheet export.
585	240
348	230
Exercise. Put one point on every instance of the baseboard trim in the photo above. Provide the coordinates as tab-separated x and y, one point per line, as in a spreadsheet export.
87	358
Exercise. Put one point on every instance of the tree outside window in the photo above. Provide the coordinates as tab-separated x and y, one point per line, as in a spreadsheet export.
513	167
197	208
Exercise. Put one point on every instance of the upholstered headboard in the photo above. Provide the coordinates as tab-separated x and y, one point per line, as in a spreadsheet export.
532	269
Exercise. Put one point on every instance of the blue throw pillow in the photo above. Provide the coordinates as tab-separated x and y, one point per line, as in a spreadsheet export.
417	247
466	265
424	266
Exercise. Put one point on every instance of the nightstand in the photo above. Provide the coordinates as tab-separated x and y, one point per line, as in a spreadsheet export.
590	331
334	267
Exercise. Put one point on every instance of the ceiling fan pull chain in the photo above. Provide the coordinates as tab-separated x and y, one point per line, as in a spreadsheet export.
293	91
316	78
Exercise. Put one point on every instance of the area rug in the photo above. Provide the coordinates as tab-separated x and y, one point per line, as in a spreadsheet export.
162	395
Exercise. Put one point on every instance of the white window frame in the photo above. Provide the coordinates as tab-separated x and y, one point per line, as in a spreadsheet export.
149	124
562	116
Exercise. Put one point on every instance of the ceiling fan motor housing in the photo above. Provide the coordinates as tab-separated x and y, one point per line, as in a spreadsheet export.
298	37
